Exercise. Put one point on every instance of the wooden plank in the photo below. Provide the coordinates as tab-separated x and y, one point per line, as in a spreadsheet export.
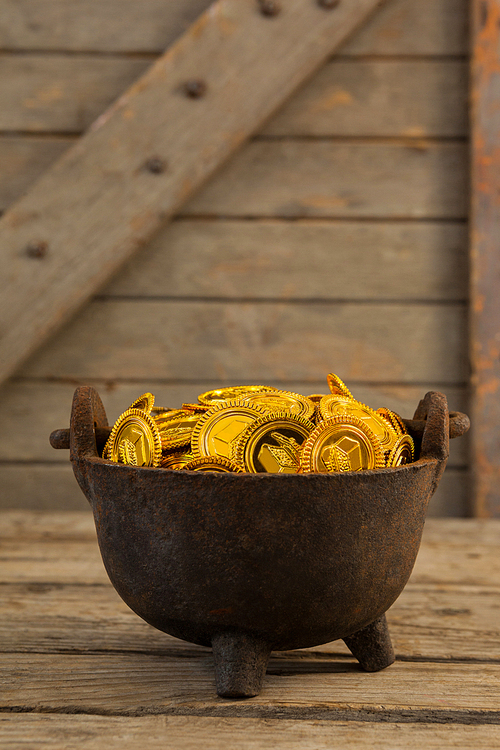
347	97
410	179
24	160
255	341
132	683
39	486
25	439
60	93
102	200
434	27
304	259
485	263
95	25
431	27
434	622
24	731
292	179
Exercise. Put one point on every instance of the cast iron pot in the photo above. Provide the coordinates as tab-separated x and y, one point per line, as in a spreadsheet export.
249	563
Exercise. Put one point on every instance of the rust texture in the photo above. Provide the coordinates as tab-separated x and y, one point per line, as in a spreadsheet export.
485	257
249	563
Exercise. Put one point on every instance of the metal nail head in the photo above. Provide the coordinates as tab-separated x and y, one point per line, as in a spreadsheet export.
269	7
195	88
36	249
155	165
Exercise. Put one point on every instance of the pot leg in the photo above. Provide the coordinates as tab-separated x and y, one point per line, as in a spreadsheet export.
240	664
372	646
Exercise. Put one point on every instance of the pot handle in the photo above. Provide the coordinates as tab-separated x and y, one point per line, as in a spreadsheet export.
433	411
87	416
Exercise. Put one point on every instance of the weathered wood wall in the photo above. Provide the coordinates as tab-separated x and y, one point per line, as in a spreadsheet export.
335	240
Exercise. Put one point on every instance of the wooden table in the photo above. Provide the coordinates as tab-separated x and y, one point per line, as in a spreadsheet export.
80	670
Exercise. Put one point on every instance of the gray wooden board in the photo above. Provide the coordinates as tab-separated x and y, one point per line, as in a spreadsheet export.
54	92
26	731
409	179
350	97
289	178
102	200
100	25
132	683
52	486
433	27
309	259
31	410
23	160
250	340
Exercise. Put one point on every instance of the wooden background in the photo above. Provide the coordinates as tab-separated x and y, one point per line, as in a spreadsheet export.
336	240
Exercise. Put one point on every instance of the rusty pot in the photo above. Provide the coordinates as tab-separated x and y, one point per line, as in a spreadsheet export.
249	563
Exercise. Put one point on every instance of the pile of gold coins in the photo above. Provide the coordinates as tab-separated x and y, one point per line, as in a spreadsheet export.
256	428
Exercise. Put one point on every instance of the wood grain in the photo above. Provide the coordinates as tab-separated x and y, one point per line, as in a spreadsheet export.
101	200
431	27
347	97
303	259
392	97
24	731
23	160
434	27
95	25
255	341
126	683
485	266
453	622
415	179
410	179
57	93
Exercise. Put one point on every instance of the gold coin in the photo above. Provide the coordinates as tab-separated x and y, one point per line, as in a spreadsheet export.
337	386
177	432
134	439
176	460
157	411
218	429
394	420
341	443
273	444
170	415
282	401
213	463
402	453
144	403
334	406
220	395
201	408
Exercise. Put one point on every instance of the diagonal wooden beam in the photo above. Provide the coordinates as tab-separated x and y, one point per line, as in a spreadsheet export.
485	257
147	154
